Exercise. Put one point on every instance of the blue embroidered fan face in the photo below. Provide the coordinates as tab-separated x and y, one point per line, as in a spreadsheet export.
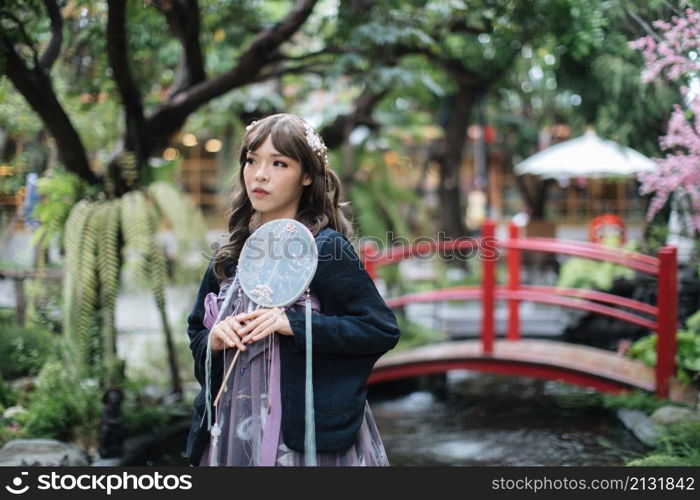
277	263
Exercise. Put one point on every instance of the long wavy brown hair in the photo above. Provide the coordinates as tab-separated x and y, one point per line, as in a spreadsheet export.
319	205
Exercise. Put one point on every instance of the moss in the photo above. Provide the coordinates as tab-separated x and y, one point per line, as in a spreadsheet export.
660	460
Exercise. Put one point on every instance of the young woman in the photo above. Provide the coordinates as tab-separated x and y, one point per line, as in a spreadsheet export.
285	174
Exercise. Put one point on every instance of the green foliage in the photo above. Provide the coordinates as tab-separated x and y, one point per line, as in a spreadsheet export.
16	117
660	460
679	445
59	191
143	415
177	209
23	350
92	266
592	274
683	440
62	406
99	237
44	303
634	400
7	395
414	335
108	249
692	324
687	351
81	286
376	217
657	233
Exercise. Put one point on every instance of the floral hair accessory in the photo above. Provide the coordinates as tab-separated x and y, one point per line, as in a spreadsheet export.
252	124
316	143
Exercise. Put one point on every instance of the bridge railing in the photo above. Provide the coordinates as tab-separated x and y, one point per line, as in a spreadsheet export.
663	267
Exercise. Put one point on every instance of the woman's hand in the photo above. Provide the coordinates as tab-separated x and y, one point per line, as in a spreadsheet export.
223	334
263	322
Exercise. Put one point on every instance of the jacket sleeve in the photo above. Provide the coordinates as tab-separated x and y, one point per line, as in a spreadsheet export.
199	334
364	323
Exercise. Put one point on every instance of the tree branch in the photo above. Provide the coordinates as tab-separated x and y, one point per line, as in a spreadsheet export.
23	34
453	66
183	19
461	26
287	70
136	133
169	117
641	22
35	86
53	49
334	133
328	50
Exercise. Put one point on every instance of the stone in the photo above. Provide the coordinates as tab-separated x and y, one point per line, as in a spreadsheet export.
107	462
667	415
153	394
641	426
42	452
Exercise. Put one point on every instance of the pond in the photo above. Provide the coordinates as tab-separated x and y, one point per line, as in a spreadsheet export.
480	419
468	419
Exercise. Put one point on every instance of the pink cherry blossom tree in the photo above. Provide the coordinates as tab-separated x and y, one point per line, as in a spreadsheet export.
673	52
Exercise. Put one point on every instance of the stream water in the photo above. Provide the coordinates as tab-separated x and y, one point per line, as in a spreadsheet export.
469	418
480	419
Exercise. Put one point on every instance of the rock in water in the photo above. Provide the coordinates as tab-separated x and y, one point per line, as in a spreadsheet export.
640	425
42	452
667	415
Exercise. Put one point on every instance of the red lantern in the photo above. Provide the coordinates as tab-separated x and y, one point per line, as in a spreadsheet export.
605	226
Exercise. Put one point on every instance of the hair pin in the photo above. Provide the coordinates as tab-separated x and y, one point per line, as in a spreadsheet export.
313	139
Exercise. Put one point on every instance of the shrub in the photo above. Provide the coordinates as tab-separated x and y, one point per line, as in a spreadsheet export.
687	351
414	335
62	406
634	400
591	274
23	350
679	445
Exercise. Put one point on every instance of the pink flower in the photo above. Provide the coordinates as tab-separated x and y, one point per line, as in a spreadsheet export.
676	57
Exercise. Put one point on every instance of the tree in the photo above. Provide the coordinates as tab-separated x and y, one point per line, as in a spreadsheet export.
672	52
31	45
145	133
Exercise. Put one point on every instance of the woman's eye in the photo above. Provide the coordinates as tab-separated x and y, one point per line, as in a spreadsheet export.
282	164
248	160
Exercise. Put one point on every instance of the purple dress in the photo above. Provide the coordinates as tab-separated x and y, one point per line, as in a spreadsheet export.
249	412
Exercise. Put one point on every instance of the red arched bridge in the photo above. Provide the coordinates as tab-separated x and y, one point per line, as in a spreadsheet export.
571	363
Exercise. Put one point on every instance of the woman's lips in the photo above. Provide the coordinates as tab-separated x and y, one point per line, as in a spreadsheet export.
260	194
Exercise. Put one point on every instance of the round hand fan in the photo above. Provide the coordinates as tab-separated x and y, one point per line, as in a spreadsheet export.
275	267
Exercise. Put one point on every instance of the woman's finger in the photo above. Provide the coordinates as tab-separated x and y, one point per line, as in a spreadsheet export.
252	325
233	339
219	339
235	326
245	317
259	334
263	330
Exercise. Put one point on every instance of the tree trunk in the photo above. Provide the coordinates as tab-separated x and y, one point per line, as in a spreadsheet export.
452	213
534	192
36	88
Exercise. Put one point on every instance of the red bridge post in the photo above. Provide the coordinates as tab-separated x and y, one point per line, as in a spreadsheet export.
367	256
488	254
513	267
667	302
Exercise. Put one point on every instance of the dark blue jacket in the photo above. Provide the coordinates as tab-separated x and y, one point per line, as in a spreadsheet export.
354	329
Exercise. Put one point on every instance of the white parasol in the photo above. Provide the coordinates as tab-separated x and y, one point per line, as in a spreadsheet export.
585	156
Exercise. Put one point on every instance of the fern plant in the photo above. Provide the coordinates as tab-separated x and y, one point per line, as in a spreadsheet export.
100	236
59	191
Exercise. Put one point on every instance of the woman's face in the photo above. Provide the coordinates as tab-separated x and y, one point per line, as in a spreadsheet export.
280	176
